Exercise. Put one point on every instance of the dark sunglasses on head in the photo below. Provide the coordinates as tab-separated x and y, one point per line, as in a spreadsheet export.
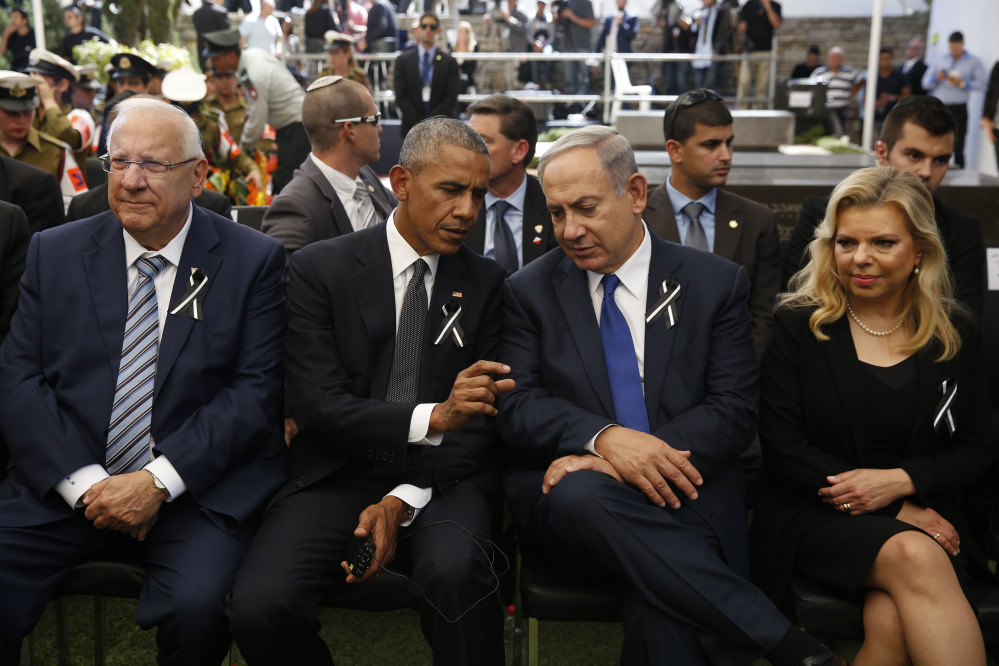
428	26
689	98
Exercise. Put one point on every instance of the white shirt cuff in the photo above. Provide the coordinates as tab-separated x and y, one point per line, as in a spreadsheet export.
167	474
590	446
419	424
76	484
413	496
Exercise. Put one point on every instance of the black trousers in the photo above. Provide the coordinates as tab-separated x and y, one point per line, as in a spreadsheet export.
960	112
295	558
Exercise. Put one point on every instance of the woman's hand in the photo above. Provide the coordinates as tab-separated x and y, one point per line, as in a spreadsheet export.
861	491
933	524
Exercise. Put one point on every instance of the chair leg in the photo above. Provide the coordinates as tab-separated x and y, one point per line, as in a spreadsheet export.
532	642
100	632
27	651
62	631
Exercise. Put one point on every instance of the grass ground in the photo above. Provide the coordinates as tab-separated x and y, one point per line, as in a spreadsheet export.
356	638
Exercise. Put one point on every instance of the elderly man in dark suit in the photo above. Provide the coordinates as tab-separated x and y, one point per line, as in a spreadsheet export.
334	191
426	79
691	208
514	227
636	389
394	404
140	395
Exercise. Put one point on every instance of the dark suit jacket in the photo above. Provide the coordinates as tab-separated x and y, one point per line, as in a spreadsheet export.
915	77
13	248
35	190
308	208
535	214
625	33
753	242
813	424
95	201
341	336
209	17
217	405
960	234
409	87
701	388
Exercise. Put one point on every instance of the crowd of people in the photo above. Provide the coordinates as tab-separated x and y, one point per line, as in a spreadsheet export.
391	366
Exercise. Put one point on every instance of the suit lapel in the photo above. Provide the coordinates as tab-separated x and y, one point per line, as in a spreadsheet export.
727	236
372	283
450	279
201	240
848	377
337	212
659	340
661	213
572	289
108	279
535	216
382	205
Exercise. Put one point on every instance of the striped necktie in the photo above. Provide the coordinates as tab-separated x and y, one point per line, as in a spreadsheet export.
131	414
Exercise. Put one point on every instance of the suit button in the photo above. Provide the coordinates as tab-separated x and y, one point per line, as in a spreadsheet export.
391	457
300	484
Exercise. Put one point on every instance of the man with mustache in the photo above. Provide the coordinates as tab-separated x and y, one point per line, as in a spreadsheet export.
394	410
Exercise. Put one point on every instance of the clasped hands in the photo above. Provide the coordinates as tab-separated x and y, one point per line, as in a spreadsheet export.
127	503
861	491
637	459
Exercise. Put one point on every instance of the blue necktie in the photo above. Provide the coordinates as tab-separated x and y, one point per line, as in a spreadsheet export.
427	72
622	363
132	412
504	247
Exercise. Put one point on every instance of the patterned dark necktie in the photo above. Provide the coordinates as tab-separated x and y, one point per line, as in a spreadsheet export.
404	378
131	414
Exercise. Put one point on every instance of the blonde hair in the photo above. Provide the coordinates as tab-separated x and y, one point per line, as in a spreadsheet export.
928	298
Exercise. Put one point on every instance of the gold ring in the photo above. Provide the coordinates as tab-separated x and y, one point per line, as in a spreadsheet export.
936	536
846	507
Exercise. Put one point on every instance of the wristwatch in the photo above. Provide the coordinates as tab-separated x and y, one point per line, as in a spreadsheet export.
159	484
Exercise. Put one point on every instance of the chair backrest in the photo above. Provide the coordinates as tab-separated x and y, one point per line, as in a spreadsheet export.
622	79
250	216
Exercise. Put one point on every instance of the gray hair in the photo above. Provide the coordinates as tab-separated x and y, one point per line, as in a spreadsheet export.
614	151
190	136
422	145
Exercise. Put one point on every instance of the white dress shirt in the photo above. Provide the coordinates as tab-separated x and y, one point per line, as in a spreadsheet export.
76	484
345	188
402	256
631	298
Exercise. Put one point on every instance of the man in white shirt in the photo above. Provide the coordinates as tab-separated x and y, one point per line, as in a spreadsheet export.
334	191
393	401
262	30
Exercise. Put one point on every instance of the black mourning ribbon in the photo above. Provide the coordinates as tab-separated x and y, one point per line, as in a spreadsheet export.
665	307
943	416
452	326
190	302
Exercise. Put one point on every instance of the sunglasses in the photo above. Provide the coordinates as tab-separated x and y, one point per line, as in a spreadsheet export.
689	98
429	26
371	120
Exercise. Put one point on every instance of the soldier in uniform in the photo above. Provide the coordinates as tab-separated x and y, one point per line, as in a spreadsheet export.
58	118
228	100
272	96
21	141
186	88
131	72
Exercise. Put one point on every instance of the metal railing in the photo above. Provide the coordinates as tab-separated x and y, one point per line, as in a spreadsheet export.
607	97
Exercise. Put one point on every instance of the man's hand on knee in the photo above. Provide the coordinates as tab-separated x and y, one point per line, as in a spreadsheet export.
474	392
128	503
569	464
380	522
649	464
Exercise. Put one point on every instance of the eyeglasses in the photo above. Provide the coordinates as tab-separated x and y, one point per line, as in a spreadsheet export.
689	98
119	165
371	120
428	26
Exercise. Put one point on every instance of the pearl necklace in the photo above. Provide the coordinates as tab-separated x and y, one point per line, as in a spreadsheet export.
871	331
